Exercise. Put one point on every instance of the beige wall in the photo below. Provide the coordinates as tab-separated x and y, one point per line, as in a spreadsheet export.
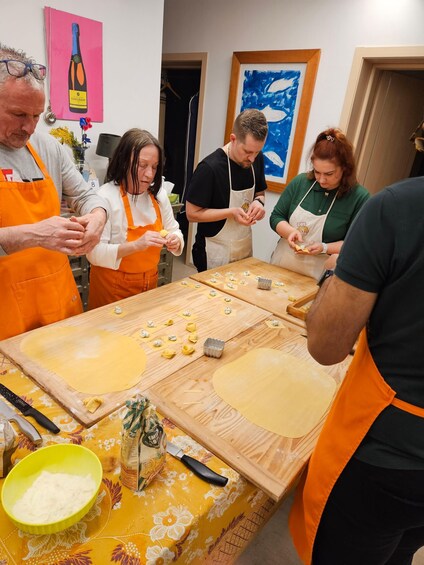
132	52
220	27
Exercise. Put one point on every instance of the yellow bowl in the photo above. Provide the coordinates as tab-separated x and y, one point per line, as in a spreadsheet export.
58	458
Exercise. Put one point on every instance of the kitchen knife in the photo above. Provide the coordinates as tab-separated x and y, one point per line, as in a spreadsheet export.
28	410
197	467
26	427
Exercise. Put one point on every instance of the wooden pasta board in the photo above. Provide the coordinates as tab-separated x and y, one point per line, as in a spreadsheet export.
296	308
240	279
188	398
158	305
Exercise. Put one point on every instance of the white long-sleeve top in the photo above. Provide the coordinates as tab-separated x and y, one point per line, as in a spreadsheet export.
105	254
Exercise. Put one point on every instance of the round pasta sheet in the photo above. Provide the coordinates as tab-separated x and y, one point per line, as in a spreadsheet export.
92	361
276	391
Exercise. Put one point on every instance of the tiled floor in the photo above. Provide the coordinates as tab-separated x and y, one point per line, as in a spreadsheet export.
273	545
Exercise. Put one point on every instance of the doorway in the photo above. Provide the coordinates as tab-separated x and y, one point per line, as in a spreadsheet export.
180	122
384	105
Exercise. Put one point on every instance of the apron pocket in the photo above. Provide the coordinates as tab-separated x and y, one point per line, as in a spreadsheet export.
47	299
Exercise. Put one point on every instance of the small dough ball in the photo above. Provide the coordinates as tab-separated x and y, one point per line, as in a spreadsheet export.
163	233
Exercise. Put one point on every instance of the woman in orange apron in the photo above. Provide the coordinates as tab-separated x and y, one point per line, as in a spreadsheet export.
125	262
36	285
361	501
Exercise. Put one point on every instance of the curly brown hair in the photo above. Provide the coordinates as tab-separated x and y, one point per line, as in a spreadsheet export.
333	145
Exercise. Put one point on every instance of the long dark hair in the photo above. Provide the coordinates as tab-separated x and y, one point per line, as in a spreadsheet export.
125	160
333	145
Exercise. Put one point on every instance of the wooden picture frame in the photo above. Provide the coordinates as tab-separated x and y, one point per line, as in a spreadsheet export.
281	84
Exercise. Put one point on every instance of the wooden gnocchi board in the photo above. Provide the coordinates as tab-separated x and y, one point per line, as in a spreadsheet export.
188	398
240	279
172	301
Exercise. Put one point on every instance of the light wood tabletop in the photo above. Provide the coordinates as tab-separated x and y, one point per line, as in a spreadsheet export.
240	279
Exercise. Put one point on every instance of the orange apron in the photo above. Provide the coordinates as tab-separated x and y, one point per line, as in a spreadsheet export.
363	395
36	284
137	272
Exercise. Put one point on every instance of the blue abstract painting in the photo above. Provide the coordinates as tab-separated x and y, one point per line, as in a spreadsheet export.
277	93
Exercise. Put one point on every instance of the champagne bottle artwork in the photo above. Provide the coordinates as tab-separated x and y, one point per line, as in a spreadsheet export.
77	79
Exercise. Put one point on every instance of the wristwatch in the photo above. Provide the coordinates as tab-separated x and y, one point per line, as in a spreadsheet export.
259	200
325	275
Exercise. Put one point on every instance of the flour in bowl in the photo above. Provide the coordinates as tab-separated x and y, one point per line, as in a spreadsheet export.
53	497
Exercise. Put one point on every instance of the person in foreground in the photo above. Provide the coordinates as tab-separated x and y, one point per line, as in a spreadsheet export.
362	499
226	194
125	262
36	281
316	209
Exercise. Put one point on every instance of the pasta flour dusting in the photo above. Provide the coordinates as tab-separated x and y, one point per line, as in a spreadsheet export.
54	496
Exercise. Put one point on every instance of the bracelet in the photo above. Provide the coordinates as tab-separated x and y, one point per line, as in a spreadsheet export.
259	200
324	247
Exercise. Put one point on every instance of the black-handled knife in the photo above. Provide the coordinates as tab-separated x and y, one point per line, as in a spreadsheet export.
198	468
28	410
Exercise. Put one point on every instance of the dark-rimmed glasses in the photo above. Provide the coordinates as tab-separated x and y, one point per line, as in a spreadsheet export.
20	69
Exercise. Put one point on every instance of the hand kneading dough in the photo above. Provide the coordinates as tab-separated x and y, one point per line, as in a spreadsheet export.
276	391
93	361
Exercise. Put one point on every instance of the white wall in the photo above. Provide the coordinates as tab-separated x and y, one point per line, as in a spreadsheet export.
337	27
132	51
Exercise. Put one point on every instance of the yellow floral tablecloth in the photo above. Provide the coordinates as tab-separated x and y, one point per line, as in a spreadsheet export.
177	518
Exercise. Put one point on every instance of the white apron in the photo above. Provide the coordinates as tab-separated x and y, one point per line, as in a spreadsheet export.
311	227
234	241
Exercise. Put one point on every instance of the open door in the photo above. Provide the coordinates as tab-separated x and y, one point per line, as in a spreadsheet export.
383	106
180	123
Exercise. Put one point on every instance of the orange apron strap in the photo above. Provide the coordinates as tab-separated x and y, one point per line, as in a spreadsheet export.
362	396
406	407
38	160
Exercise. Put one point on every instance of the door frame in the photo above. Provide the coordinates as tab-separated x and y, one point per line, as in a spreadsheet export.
191	61
368	65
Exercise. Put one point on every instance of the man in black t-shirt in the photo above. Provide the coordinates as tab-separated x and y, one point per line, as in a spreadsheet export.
370	454
226	194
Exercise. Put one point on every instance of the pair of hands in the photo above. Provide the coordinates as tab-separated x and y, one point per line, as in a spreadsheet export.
295	239
154	239
255	213
73	236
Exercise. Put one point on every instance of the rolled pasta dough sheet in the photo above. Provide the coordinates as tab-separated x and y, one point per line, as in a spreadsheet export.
276	391
92	361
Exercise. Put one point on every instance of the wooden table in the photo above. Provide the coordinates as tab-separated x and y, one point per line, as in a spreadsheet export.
177	519
182	302
270	461
239	279
211	519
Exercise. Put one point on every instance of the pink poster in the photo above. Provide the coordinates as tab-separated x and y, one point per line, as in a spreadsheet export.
75	65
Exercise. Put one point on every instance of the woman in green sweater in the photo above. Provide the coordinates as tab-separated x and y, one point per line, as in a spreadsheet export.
315	210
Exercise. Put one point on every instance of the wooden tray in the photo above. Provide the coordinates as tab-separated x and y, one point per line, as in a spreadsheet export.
286	284
188	398
158	305
297	308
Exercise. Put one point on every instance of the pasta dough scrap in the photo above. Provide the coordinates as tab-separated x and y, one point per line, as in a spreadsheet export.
90	360
92	403
276	391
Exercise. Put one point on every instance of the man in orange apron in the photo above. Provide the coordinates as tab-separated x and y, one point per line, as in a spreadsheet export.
36	282
226	194
361	501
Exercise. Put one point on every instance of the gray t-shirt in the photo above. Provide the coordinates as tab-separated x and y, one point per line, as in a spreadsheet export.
68	181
